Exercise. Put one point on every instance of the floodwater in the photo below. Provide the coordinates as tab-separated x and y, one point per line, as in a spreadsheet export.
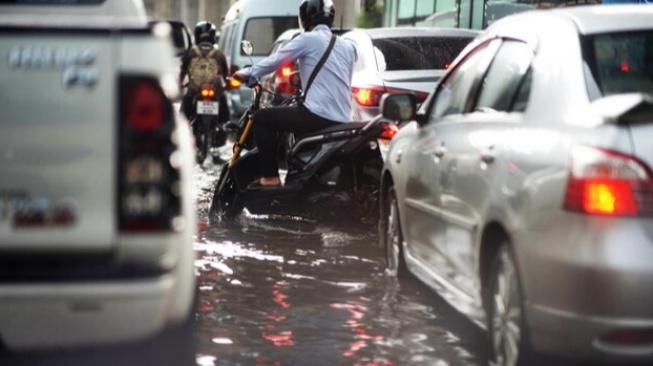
286	291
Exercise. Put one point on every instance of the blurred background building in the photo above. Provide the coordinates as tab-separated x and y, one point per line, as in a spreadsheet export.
475	14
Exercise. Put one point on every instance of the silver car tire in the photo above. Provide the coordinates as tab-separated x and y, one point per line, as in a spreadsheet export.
505	315
393	237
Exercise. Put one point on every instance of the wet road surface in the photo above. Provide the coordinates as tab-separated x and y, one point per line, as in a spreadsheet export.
290	292
284	291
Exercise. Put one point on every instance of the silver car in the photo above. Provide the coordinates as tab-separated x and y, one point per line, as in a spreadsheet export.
522	191
395	60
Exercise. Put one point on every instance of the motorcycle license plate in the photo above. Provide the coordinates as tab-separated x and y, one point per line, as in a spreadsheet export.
207	107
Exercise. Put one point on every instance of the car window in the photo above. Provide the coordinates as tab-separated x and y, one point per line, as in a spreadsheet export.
262	32
500	84
452	92
417	53
621	62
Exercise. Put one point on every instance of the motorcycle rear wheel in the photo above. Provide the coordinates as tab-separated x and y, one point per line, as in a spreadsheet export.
202	132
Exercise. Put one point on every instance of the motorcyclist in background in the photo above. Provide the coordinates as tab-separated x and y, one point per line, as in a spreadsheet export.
327	101
205	36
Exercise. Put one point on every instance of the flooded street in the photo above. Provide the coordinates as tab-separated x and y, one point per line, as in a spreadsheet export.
292	292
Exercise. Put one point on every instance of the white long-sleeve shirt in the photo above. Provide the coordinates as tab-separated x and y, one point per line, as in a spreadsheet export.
330	94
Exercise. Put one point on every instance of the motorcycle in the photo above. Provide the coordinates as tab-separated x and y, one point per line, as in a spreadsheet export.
333	172
207	130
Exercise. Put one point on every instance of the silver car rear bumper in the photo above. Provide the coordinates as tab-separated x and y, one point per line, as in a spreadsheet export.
584	278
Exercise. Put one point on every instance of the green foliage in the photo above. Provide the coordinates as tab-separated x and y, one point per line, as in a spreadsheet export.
371	17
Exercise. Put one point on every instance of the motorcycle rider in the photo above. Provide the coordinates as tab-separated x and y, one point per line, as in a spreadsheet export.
205	34
327	103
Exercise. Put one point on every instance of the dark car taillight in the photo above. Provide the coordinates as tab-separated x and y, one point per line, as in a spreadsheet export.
148	161
605	182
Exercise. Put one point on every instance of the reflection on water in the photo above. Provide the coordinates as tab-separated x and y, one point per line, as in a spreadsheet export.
283	291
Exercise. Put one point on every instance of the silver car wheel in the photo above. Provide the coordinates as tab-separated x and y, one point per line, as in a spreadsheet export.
506	312
393	235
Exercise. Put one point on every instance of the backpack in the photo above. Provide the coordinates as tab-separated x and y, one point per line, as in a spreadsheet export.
203	68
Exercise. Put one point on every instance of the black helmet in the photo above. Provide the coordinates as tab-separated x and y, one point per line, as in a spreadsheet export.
314	12
205	32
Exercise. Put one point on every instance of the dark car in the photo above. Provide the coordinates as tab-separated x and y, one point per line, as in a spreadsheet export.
401	60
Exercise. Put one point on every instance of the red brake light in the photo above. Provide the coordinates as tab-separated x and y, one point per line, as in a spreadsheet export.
207	92
368	97
143	107
286	71
148	158
603	182
624	66
447	65
389	131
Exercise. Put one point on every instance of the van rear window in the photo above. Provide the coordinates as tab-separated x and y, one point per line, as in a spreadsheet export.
262	32
50	2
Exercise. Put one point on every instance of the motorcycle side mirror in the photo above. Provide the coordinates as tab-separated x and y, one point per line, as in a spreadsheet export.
398	107
246	47
295	79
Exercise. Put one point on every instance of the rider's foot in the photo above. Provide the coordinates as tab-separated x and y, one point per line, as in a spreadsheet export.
265	182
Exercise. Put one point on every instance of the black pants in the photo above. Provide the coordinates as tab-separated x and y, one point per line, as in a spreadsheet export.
269	123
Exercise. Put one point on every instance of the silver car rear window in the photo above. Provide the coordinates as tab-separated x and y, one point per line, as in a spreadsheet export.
417	53
621	62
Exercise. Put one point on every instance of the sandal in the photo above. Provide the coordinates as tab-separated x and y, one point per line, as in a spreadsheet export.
256	185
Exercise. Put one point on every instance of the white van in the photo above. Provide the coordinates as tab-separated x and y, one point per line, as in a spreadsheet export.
260	22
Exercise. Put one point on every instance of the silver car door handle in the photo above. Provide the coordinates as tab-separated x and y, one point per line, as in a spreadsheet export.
488	154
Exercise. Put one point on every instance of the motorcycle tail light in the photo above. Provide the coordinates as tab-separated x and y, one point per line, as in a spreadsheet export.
148	159
207	92
605	182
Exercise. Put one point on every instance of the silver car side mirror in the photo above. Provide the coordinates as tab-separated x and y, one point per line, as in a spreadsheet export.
398	107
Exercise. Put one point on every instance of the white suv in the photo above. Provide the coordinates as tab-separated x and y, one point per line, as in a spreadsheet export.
96	206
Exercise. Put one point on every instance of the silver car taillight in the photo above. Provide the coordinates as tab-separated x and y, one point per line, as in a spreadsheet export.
605	182
148	177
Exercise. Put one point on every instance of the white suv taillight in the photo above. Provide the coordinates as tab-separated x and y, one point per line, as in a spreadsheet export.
605	182
148	181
